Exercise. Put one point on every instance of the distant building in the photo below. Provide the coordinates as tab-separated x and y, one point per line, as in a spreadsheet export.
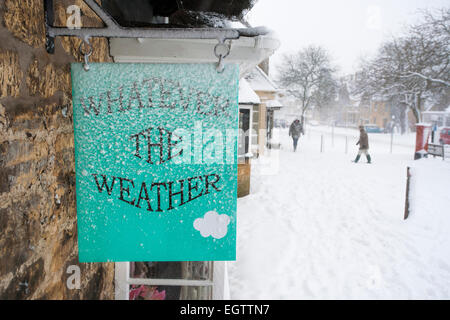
439	118
263	114
376	111
291	107
347	107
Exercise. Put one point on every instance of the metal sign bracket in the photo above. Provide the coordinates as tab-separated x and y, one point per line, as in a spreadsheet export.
113	30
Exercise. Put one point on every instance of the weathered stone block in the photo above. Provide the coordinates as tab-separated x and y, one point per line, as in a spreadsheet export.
38	234
24	19
10	74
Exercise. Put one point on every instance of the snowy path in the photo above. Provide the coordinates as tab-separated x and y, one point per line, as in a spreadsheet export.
326	228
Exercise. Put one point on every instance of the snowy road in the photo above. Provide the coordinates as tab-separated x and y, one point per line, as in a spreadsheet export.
326	228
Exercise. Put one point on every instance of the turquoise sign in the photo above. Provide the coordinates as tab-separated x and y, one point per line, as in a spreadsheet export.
156	161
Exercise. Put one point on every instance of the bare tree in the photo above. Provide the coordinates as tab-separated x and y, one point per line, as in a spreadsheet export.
412	68
431	38
308	76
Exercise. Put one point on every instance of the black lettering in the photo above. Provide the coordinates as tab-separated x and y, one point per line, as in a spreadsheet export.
158	186
165	94
171	144
95	108
190	188
127	190
207	183
223	107
110	101
202	103
216	106
135	95
144	188
104	184
137	135
150	91
151	145
171	194
185	97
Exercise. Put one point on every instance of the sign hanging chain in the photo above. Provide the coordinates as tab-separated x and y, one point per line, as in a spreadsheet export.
221	51
87	53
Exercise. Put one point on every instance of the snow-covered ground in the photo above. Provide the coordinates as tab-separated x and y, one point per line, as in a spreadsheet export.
322	227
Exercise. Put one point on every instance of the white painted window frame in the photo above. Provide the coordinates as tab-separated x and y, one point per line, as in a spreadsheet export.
252	134
219	283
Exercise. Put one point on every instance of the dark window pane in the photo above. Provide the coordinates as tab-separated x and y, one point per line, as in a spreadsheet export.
138	13
190	270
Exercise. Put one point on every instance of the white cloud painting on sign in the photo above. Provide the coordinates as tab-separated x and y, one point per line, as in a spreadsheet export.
212	224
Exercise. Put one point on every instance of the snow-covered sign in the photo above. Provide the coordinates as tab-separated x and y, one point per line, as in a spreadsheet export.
156	161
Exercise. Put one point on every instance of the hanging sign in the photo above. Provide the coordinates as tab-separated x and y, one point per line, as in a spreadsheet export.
156	161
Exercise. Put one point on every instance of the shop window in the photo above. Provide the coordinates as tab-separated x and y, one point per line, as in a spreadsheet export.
255	124
186	280
245	131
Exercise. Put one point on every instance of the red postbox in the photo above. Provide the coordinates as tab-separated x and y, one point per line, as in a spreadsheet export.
423	131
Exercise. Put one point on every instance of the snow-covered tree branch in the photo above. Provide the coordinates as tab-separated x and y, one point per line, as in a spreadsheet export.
308	75
414	67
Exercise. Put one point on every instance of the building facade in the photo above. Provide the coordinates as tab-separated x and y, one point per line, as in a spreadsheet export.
38	241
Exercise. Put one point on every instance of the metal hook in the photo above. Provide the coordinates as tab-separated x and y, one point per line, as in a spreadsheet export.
220	67
86	54
221	56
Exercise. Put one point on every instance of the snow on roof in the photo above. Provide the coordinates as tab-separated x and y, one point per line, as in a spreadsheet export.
246	93
235	24
273	104
259	81
431	110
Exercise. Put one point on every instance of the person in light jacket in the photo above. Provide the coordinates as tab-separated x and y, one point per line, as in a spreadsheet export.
295	130
363	145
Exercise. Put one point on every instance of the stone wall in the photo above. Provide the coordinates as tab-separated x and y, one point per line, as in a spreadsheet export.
38	235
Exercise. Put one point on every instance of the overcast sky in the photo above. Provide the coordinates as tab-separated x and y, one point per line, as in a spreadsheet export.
348	29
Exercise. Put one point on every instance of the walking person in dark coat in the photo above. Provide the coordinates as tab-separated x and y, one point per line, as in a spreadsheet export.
363	145
295	130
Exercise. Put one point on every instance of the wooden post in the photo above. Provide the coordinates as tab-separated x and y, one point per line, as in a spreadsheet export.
408	176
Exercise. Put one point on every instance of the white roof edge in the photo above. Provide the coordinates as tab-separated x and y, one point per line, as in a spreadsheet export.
259	81
248	52
267	78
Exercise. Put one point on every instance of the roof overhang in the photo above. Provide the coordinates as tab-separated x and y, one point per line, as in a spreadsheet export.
248	52
274	104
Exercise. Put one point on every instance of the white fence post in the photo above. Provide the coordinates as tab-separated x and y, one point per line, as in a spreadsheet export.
392	138
321	143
